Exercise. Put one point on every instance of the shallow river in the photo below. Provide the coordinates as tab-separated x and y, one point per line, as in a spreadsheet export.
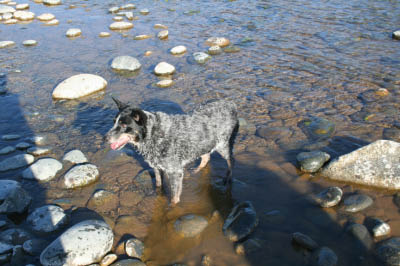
297	61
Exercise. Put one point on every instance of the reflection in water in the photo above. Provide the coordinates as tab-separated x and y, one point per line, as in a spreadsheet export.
299	62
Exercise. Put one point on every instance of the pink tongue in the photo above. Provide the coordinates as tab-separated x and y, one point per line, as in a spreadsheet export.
120	142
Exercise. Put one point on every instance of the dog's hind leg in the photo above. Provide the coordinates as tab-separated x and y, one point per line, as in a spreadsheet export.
175	179
205	158
157	172
226	152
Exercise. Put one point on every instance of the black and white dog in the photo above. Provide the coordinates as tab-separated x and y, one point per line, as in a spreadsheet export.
169	142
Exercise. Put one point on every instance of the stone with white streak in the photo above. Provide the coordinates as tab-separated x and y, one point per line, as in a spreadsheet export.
81	175
78	86
85	243
42	170
377	164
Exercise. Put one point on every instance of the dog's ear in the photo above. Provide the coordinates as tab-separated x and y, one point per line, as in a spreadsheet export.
119	104
139	116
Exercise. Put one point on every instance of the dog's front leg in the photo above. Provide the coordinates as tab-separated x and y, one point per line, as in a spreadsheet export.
157	172
175	179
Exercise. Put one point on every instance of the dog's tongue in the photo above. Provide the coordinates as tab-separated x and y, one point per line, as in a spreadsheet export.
120	142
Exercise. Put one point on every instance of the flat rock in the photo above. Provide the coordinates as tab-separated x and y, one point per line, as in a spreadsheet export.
29	42
165	83
108	259
8	22
125	63
144	11
16	161
24	15
75	156
311	162
129	262
134	248
190	225
10	137
201	57
121	25
43	169
85	243
52	22
73	32
219	41
141	37
37	151
52	2
46	17
13	198
7	150
374	165
47	219
177	50
318	128
329	197
113	9
128	7
164	68
6	9
81	175
6	44
241	221
160	26
78	86
357	203
104	34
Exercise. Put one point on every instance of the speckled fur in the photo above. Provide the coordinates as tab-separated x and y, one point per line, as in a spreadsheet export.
169	142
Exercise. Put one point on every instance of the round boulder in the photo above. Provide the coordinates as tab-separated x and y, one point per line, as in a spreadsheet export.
78	86
42	170
85	243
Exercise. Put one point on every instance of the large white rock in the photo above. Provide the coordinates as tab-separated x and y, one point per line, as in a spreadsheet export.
24	15
52	2
377	164
78	86
42	170
75	156
164	68
83	244
121	25
16	161
81	175
13	197
6	9
125	62
47	218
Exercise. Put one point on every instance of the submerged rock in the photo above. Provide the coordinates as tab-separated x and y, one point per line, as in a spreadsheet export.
360	232
318	128
389	251
241	222
165	83
7	149
219	41
374	165
214	50
13	198
304	241
201	57
190	225
85	243
324	257
248	246
125	63
81	175
311	162
47	218
78	86
42	170
357	203
329	197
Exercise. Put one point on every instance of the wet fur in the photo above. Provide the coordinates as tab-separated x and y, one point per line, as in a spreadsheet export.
169	142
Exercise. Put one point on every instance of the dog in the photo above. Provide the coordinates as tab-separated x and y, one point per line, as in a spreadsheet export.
168	143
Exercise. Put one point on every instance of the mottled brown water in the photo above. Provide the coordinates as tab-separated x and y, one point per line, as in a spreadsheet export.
298	59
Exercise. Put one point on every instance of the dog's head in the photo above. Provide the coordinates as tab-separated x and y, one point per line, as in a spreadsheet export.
129	126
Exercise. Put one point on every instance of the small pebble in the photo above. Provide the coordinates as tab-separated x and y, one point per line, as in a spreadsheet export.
141	37
52	22
118	18
162	35
160	26
214	50
29	43
144	11
165	83
104	34
304	241
381	228
148	53
178	50
73	32
396	35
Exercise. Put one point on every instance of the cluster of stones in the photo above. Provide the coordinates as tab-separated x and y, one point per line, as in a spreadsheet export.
11	15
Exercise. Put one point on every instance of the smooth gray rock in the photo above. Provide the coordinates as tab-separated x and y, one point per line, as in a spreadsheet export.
42	170
376	164
75	156
128	262
134	248
311	162
47	218
85	243
126	63
16	161
329	197
190	225
360	232
389	251
241	222
304	241
324	257
201	57
357	203
81	175
13	198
